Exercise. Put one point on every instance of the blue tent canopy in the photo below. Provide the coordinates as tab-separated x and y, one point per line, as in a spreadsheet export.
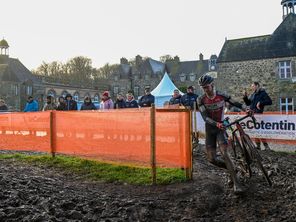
164	91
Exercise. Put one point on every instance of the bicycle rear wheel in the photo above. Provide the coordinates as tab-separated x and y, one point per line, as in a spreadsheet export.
255	155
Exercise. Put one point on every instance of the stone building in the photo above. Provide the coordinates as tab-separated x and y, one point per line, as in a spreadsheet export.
17	83
147	72
268	59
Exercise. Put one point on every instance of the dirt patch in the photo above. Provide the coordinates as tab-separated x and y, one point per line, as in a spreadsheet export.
35	193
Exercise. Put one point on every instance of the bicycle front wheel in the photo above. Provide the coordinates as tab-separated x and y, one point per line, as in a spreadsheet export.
241	155
255	155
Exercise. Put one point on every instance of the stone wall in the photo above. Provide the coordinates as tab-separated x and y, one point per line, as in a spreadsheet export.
235	77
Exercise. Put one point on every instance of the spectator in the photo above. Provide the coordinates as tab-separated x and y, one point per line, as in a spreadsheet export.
50	105
257	101
176	98
106	102
70	103
147	99
130	101
88	104
3	106
61	104
189	99
119	103
31	105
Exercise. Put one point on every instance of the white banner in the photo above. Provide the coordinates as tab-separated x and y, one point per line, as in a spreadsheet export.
269	126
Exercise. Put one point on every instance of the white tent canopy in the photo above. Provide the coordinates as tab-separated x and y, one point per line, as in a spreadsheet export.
164	91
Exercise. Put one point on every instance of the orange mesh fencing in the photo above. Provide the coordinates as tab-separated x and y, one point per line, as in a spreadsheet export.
173	138
121	136
25	131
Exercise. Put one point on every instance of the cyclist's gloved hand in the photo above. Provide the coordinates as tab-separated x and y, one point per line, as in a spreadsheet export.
221	126
250	112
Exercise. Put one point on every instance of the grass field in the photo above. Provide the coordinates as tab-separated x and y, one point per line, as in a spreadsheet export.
100	171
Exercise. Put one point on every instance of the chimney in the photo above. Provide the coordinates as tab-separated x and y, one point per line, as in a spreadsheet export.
201	57
123	61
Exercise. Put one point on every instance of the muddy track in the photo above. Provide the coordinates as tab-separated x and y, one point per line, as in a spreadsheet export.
34	193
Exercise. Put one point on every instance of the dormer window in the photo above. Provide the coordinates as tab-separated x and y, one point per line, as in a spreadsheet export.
192	77
212	64
182	77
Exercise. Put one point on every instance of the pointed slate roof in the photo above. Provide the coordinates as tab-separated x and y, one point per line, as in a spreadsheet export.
165	88
14	70
282	43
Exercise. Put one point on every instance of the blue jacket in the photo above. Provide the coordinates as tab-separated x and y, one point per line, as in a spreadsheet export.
131	104
146	100
259	96
176	100
31	107
189	99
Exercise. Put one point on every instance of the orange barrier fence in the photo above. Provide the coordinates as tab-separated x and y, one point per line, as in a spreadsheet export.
122	136
25	131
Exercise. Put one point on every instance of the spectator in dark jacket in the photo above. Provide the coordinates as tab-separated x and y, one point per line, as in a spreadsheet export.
176	98
257	101
31	105
70	103
119	102
88	104
3	106
189	99
130	101
61	104
147	99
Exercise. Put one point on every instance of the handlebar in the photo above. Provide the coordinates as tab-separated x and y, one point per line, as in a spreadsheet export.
239	120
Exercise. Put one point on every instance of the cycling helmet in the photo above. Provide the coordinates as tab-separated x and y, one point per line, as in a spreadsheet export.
205	79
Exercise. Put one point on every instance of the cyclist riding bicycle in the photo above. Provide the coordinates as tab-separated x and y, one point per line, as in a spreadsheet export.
211	106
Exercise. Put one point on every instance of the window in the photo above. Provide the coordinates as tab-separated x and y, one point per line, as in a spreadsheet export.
29	90
136	91
96	98
76	96
192	77
285	69
51	93
116	78
212	64
64	93
147	77
182	77
286	105
16	90
116	90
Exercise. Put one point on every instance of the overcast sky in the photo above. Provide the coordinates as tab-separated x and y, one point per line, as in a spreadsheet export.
106	30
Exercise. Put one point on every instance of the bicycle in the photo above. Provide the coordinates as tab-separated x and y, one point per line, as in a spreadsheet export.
245	152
